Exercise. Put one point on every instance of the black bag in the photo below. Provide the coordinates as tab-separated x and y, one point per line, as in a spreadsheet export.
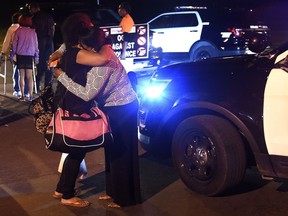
42	109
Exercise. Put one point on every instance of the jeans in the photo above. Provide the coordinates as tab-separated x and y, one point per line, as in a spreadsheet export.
46	48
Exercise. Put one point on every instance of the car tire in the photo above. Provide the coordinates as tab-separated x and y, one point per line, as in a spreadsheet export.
208	154
201	53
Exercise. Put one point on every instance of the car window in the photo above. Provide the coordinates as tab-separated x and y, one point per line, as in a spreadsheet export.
174	21
184	20
161	22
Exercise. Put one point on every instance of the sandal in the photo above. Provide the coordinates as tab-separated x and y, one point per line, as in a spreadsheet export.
57	195
75	202
113	205
104	197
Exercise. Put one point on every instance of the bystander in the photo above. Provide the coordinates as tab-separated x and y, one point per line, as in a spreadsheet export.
45	29
6	49
126	24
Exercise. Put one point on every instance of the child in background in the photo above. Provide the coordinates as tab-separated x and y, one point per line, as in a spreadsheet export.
24	52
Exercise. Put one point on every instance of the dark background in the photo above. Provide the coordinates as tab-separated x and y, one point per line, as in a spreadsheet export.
273	12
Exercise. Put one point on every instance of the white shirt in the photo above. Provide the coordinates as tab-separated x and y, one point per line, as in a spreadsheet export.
9	38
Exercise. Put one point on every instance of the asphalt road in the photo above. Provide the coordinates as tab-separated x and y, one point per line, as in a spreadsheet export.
29	175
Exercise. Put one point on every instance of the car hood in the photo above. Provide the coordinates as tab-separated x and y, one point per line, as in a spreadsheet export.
211	65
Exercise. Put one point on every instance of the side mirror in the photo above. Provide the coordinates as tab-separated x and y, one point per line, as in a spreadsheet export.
257	43
283	64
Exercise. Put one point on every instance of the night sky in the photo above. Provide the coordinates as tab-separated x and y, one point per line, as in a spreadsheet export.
273	12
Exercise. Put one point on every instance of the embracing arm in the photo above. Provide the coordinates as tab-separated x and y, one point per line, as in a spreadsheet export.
96	78
85	57
89	58
56	56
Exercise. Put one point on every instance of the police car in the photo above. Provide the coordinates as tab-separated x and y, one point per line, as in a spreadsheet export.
201	32
220	116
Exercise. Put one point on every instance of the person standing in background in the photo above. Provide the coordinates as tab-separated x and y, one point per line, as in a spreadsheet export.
126	24
6	48
25	52
45	29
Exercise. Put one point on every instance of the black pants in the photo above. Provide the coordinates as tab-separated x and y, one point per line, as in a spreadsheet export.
121	156
71	166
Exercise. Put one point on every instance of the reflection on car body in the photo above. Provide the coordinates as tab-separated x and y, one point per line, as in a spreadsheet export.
218	117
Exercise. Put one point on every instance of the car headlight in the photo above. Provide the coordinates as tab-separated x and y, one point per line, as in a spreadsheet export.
156	87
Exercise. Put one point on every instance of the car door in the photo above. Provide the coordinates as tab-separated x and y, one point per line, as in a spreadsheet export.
275	113
176	32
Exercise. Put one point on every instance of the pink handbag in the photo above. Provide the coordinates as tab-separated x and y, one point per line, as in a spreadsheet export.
73	133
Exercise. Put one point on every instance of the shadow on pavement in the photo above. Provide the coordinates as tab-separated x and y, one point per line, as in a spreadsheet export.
155	176
7	200
11	110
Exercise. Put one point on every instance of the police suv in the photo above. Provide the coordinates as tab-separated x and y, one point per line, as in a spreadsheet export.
199	32
220	116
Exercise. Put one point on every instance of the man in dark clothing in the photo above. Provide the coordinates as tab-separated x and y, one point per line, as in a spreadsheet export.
45	28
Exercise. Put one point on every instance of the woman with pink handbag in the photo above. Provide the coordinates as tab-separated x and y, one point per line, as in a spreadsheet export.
71	29
109	85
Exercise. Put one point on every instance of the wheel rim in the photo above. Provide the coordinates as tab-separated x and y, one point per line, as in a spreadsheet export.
199	156
203	55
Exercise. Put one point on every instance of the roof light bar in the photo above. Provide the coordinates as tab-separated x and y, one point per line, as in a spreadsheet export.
178	8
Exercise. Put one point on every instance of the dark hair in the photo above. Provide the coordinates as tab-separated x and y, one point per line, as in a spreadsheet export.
15	17
126	6
25	20
34	5
73	26
93	37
